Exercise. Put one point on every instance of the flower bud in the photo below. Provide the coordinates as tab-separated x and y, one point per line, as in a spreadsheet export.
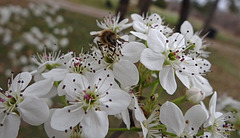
195	95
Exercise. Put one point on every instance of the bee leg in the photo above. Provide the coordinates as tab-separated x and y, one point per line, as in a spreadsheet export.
120	52
100	45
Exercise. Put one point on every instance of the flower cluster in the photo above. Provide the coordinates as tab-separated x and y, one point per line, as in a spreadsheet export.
114	78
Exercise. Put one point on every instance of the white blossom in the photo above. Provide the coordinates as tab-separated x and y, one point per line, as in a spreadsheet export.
183	126
167	56
20	101
217	125
142	25
93	100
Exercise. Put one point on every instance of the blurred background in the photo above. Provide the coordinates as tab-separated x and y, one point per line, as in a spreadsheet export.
27	26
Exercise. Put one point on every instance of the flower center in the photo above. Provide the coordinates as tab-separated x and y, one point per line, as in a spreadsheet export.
10	102
77	65
172	56
90	99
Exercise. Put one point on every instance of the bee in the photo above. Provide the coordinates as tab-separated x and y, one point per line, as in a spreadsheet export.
111	40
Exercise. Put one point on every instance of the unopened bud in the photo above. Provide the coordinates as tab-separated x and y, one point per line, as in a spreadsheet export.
195	95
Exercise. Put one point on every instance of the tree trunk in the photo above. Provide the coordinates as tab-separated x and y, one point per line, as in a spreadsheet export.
122	8
144	6
208	20
185	8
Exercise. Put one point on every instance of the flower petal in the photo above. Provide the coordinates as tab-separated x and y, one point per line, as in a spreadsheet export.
136	17
33	110
198	42
187	30
176	41
10	126
103	79
21	81
138	113
73	83
56	74
140	27
40	88
171	116
126	118
95	123
139	35
183	78
126	73
132	51
152	60
53	132
213	101
167	79
194	118
156	41
202	83
69	116
144	130
115	101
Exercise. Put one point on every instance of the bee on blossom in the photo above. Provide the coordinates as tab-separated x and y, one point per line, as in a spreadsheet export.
109	41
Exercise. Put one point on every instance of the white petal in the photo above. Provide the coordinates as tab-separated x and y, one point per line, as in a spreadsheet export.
123	22
198	42
139	35
126	118
187	30
167	79
115	101
132	51
136	17
40	88
126	73
103	79
144	130
204	108
194	117
73	83
140	27
202	83
183	78
21	81
204	65
67	117
10	126
33	110
152	60
213	101
171	116
155	18
156	41
95	32
61	89
53	132
95	124
211	118
52	93
139	115
209	135
56	74
176	41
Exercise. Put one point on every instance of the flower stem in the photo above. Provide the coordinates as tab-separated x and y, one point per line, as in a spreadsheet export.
125	129
179	100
